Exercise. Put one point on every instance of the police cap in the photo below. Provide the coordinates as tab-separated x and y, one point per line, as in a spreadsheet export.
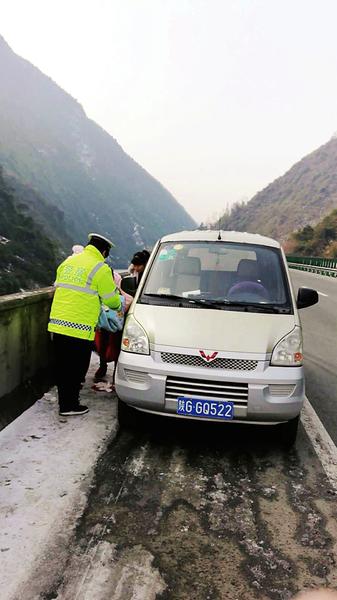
98	236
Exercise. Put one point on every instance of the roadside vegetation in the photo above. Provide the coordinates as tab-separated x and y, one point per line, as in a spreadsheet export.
28	258
320	240
303	195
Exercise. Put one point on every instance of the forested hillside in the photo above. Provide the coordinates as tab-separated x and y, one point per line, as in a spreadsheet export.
48	143
303	196
28	257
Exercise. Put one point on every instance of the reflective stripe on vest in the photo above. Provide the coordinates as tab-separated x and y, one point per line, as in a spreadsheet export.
70	324
77	288
93	272
110	295
87	289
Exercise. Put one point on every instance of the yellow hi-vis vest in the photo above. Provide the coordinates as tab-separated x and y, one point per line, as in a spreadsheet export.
83	282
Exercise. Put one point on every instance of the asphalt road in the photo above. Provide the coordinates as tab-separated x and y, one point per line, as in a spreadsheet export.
320	347
179	512
194	511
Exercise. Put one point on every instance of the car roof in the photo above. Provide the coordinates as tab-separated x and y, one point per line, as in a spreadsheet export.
226	236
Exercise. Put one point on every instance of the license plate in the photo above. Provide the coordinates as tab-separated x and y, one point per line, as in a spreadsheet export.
211	409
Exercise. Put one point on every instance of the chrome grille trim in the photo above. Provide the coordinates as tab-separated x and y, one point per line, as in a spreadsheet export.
135	376
200	388
191	360
276	389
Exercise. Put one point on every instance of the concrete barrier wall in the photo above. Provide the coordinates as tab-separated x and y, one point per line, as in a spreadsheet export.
25	347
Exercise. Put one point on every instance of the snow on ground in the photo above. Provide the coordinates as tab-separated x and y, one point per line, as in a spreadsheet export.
46	468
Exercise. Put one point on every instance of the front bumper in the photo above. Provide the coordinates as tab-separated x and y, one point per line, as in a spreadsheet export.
266	394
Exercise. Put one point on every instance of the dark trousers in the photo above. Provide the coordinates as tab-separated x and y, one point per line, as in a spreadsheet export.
72	359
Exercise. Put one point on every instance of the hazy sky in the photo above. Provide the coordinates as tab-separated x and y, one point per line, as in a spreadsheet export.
215	98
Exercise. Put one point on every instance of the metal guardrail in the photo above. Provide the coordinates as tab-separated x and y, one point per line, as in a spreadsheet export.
314	264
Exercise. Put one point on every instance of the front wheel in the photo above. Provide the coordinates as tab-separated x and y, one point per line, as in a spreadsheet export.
288	432
127	416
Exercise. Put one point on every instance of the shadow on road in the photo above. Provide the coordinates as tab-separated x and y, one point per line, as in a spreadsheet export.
194	435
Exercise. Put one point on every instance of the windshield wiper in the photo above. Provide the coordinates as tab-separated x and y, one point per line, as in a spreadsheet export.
222	304
207	302
254	306
146	298
246	306
188	300
168	296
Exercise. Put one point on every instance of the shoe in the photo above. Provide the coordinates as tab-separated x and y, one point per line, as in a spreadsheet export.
103	386
79	410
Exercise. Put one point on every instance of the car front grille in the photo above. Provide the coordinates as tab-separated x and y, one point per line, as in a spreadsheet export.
190	360
201	388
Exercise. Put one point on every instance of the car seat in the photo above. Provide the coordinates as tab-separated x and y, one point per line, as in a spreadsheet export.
187	274
247	270
248	286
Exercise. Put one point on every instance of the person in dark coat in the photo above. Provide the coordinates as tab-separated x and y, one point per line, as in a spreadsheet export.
138	264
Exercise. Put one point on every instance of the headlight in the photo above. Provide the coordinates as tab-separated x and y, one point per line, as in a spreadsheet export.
134	338
288	352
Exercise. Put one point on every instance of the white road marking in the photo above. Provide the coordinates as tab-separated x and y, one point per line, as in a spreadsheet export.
321	441
319	293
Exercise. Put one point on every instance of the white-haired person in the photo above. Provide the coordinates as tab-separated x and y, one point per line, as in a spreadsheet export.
77	249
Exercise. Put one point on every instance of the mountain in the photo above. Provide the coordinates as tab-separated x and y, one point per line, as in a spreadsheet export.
320	240
303	196
28	257
47	142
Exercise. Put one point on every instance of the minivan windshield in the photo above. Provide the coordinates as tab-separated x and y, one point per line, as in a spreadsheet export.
221	275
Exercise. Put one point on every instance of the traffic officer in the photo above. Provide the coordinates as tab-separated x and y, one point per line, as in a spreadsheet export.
83	282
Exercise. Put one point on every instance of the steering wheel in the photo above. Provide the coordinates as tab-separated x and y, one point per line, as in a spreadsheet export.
248	291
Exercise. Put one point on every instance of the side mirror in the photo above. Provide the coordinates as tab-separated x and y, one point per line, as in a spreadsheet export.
306	297
129	285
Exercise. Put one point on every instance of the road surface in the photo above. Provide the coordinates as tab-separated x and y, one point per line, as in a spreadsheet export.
320	347
177	510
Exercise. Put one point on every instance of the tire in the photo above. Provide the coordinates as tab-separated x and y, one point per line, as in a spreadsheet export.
127	416
288	432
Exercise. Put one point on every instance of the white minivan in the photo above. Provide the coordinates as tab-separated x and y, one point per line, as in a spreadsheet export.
214	333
